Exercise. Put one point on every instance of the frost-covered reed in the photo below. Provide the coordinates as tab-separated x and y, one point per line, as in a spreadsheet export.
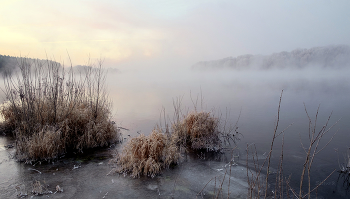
51	111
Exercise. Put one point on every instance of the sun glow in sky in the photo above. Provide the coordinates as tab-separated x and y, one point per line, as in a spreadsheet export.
129	32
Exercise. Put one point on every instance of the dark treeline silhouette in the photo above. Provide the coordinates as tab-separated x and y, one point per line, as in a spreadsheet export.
9	64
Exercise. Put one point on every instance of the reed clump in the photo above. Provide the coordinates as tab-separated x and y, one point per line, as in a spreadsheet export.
197	130
51	112
147	155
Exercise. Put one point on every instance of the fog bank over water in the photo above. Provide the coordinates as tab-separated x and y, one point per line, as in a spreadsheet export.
335	56
139	96
142	97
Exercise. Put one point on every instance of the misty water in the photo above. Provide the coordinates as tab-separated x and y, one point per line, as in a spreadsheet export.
141	98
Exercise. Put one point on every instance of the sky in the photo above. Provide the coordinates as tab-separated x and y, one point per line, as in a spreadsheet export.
132	34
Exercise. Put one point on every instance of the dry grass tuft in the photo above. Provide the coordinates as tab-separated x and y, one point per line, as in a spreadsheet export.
51	112
37	188
198	130
147	155
42	145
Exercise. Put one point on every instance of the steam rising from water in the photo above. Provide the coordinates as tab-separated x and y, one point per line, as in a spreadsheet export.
140	96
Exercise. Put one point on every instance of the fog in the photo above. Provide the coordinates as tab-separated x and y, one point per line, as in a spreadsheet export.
223	56
139	97
132	35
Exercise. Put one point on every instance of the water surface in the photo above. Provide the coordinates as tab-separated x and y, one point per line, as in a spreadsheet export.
140	99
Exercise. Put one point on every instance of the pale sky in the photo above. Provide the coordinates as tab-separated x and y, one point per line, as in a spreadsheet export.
142	33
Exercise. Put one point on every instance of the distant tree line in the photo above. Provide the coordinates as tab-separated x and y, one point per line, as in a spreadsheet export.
8	63
337	56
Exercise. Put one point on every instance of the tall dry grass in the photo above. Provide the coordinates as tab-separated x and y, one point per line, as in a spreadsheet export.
203	130
259	185
263	182
198	130
147	155
51	111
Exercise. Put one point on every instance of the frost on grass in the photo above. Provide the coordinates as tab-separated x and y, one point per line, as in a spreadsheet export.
51	112
198	130
147	155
